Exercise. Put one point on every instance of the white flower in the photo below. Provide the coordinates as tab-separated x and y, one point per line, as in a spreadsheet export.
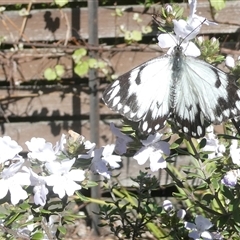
212	144
181	213
167	205
200	39
231	177
62	179
111	160
90	150
122	140
59	147
103	158
230	62
153	150
198	229
40	190
11	149
12	181
185	31
41	150
98	165
235	152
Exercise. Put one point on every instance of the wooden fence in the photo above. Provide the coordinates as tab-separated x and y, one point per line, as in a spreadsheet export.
49	37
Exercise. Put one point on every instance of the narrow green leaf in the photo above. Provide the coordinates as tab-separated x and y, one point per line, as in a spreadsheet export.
37	236
45	211
24	206
62	230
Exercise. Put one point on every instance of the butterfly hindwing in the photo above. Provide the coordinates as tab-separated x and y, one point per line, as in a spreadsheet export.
142	94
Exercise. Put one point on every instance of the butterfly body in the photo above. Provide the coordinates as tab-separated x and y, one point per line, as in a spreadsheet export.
176	75
186	89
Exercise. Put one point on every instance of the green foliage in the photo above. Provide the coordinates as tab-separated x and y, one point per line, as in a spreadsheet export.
218	4
166	16
146	3
83	63
131	215
37	236
210	50
81	68
132	36
61	3
52	74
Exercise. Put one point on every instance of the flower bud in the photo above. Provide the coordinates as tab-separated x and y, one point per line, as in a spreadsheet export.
230	62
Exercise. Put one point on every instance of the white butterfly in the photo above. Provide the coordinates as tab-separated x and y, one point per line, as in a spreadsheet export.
183	88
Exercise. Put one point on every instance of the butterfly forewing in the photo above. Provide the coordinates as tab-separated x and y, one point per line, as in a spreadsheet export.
142	94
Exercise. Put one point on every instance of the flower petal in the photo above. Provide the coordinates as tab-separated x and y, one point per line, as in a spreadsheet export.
142	155
166	40
17	194
202	223
157	161
152	138
4	188
191	50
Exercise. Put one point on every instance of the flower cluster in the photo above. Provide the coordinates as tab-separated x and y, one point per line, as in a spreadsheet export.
153	148
200	229
51	166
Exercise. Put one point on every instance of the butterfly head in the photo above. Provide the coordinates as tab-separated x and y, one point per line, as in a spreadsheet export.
178	48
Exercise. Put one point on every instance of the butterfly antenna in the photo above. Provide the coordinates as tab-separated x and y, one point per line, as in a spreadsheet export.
159	23
192	31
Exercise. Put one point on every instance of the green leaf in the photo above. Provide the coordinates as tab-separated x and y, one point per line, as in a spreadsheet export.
119	12
62	230
82	197
136	35
91	184
37	236
174	145
92	63
78	54
59	69
61	3
203	186
50	74
13	218
128	36
2	216
203	143
101	64
24	206
237	227
217	4
146	29
227	192
45	211
81	69
236	215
